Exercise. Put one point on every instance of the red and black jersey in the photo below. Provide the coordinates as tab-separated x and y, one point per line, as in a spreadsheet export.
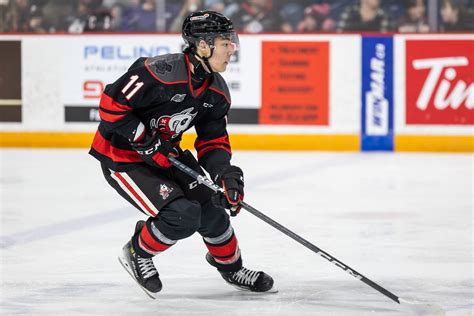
156	94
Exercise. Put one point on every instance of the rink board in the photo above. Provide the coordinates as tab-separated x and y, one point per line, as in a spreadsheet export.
289	92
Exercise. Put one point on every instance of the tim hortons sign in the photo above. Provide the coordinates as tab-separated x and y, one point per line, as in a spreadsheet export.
440	82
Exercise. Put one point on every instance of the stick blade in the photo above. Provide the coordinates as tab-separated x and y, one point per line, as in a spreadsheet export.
419	308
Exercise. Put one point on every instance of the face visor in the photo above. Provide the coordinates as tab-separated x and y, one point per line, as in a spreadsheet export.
231	36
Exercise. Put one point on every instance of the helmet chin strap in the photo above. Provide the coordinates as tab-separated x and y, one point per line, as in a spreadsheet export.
199	70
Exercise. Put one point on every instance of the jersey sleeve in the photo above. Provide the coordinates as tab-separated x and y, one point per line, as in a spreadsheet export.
212	142
135	89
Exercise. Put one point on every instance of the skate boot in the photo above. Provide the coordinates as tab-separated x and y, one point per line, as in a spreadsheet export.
245	279
142	270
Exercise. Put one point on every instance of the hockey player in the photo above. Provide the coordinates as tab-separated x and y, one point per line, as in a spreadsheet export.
143	116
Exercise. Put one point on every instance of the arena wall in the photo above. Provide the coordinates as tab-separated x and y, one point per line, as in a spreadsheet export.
289	92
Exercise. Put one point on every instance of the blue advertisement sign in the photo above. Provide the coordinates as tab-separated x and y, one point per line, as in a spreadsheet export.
377	93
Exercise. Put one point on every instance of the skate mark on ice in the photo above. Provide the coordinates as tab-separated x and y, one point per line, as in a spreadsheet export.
63	228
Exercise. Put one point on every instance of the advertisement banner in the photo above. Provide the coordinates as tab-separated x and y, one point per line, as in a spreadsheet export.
10	81
295	83
95	61
377	93
243	76
440	82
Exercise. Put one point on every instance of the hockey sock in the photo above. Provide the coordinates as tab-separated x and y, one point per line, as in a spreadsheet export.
150	241
225	250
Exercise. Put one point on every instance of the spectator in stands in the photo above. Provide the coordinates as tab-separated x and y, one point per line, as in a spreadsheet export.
188	7
291	14
222	6
90	16
316	19
139	16
3	13
367	16
116	11
225	7
17	16
257	16
215	5
456	16
37	24
58	15
414	20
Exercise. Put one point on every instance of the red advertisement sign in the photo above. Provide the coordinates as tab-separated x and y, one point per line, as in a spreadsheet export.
295	83
440	82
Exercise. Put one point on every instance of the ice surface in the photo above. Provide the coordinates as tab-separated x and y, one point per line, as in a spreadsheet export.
403	220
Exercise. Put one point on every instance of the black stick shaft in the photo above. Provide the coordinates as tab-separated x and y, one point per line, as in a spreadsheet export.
286	231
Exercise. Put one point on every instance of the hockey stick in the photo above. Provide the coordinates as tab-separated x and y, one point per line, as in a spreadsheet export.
409	305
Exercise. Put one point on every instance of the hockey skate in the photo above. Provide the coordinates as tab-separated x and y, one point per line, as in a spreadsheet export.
245	279
142	270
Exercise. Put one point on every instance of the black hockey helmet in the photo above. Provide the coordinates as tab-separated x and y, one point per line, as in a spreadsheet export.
207	26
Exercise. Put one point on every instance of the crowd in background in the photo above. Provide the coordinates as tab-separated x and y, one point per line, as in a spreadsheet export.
250	16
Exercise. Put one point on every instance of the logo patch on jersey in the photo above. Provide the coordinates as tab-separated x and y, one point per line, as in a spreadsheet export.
172	126
162	66
178	97
165	191
207	105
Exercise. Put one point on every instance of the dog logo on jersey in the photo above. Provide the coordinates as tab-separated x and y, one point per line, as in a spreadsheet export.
161	66
172	126
165	191
178	97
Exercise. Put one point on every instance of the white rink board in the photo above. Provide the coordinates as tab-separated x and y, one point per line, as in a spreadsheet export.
53	66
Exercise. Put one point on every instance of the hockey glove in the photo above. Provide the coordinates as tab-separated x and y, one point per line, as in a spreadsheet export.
231	178
154	150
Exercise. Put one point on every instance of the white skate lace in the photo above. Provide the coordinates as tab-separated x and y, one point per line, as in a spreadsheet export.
147	267
245	276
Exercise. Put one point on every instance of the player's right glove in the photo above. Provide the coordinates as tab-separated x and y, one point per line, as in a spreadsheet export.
231	178
154	150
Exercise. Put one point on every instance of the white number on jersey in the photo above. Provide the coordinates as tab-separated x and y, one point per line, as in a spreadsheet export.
132	81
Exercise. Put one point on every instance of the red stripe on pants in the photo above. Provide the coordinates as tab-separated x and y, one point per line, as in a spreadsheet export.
135	194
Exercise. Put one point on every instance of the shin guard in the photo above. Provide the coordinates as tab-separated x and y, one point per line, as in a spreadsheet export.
225	250
151	241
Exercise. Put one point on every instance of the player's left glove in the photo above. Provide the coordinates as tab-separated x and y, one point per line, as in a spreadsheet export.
155	150
231	178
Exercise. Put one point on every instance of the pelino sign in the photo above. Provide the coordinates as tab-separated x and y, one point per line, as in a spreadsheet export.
440	82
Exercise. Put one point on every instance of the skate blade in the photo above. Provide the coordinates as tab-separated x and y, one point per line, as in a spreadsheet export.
125	265
244	290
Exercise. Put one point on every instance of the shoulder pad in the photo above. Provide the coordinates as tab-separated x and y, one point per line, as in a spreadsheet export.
220	86
169	68
137	64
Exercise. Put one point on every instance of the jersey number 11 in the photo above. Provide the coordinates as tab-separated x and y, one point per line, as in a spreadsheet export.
137	86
